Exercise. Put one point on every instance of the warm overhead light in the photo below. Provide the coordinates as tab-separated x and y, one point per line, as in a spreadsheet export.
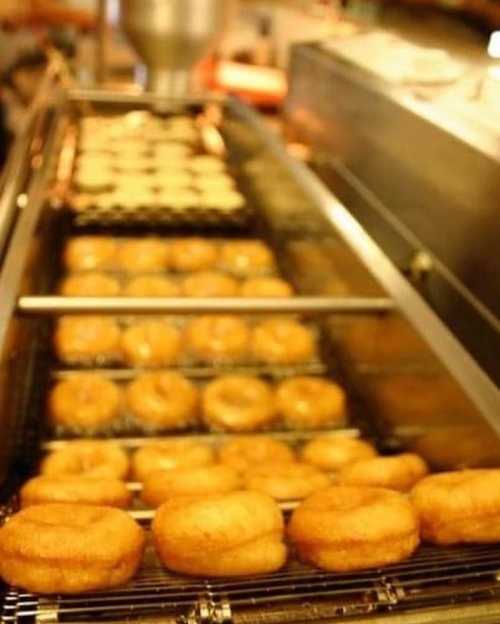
494	44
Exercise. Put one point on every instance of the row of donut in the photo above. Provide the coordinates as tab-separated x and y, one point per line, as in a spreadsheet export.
211	339
160	401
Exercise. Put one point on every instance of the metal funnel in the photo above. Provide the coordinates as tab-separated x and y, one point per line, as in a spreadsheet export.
171	36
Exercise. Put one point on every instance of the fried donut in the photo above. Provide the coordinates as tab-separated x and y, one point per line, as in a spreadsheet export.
238	403
151	286
169	455
266	287
220	339
460	507
86	338
206	164
62	548
193	254
234	534
247	451
80	490
343	529
160	486
151	343
209	284
282	341
246	258
85	400
90	285
143	255
398	472
163	400
90	253
285	480
332	453
88	458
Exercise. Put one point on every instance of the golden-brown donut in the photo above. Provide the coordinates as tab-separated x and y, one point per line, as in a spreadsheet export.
332	452
246	257
398	472
90	285
86	400
266	287
245	452
285	480
163	400
234	534
143	255
282	341
152	286
209	284
62	548
78	490
89	458
90	253
82	339
459	507
206	164
219	339
169	455
238	403
342	529
160	486
193	254
150	344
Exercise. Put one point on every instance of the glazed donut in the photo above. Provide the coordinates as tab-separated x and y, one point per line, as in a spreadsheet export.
143	255
214	182
247	451
226	200
310	402
151	286
246	258
151	344
78	490
90	285
282	341
266	287
177	199
87	458
219	339
86	338
343	529
193	254
89	253
85	400
238	403
62	548
285	481
209	284
331	453
163	400
459	507
206	164
398	472
169	455
160	486
234	534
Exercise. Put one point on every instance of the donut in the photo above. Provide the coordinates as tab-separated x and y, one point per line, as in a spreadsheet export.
209	284
143	255
206	164
163	400
245	452
225	200
169	455
90	285
235	534
85	400
282	341
214	182
93	180
160	486
310	402
266	287
177	199
86	338
459	507
71	489
332	453
150	344
344	529
398	472
246	258
168	180
87	458
89	253
238	403
219	339
68	549
151	286
285	480
193	254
